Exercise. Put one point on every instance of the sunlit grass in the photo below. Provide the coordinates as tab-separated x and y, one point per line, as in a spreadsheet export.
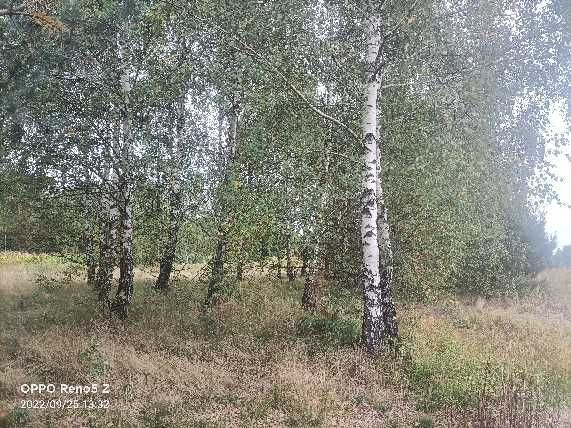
258	360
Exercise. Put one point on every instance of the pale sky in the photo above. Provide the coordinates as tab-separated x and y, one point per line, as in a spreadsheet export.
558	218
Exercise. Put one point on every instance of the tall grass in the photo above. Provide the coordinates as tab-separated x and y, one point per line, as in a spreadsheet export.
258	360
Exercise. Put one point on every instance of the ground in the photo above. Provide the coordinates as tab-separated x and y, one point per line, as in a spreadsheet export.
257	360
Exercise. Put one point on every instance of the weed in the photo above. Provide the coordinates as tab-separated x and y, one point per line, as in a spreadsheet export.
330	329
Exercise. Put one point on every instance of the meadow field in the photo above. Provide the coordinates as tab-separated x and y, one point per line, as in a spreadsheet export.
257	360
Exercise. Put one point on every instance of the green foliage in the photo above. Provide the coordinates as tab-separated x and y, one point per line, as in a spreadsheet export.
14	257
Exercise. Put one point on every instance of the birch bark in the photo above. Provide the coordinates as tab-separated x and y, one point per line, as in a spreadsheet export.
372	328
107	248
124	295
175	201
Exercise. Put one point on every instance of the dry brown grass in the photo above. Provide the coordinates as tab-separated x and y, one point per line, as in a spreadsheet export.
249	363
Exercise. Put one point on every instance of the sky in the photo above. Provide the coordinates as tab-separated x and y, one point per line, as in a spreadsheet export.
558	218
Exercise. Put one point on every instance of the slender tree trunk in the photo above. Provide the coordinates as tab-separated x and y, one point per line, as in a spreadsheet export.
169	254
217	273
89	246
107	248
304	260
290	271
311	286
124	295
240	270
314	275
372	328
279	265
327	271
175	203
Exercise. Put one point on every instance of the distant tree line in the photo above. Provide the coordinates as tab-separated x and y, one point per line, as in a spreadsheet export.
562	257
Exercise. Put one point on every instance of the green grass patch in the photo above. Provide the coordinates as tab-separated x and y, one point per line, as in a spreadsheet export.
16	257
330	329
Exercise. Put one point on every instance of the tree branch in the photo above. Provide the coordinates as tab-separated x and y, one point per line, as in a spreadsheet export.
249	50
260	59
399	24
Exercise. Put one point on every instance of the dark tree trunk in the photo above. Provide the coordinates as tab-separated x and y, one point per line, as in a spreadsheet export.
279	268
169	255
124	295
326	264
290	271
165	270
390	327
89	242
217	274
223	210
240	270
91	272
304	260
311	290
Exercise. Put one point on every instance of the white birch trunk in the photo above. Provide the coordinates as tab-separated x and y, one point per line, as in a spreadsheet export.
107	246
372	329
124	295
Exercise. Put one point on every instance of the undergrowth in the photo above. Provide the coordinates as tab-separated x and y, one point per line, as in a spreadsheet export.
257	359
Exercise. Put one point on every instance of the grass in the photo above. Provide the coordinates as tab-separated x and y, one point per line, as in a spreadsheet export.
258	360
